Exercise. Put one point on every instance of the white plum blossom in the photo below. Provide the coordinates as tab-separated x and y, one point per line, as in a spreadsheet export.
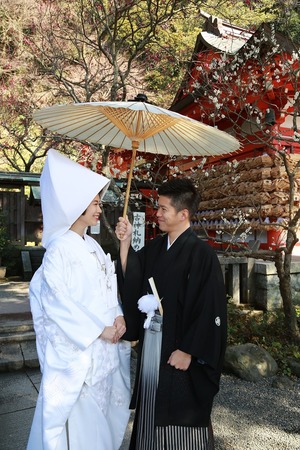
196	85
296	135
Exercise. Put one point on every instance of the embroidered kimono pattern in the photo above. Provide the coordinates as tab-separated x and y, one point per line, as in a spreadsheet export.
84	395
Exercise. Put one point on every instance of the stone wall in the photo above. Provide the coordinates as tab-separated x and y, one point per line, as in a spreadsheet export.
266	295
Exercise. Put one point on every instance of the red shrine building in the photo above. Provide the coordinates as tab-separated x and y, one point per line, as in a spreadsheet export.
245	83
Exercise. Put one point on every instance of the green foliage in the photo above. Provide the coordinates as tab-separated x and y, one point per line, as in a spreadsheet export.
244	13
264	329
167	56
12	260
289	25
9	253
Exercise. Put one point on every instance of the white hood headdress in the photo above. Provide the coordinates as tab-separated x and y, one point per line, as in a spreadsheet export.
67	189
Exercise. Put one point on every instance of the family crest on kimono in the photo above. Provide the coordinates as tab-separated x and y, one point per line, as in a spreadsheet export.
85	388
182	339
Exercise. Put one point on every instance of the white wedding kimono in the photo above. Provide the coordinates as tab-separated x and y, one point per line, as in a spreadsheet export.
85	389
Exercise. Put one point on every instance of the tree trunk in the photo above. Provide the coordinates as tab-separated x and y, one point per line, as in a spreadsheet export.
283	266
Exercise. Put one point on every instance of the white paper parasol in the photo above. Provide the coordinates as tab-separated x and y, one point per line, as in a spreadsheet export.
136	126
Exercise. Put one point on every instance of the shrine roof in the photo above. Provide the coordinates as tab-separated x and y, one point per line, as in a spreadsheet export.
223	36
227	44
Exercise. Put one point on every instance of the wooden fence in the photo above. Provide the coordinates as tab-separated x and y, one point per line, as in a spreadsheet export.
24	218
238	273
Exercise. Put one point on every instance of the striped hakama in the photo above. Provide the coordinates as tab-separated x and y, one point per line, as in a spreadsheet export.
146	435
184	438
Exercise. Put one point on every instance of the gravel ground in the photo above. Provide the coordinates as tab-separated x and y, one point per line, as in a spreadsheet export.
250	416
256	416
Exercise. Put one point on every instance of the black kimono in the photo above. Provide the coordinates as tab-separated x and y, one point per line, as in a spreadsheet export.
189	280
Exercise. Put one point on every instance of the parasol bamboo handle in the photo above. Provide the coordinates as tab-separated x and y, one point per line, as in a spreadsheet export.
154	290
135	146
